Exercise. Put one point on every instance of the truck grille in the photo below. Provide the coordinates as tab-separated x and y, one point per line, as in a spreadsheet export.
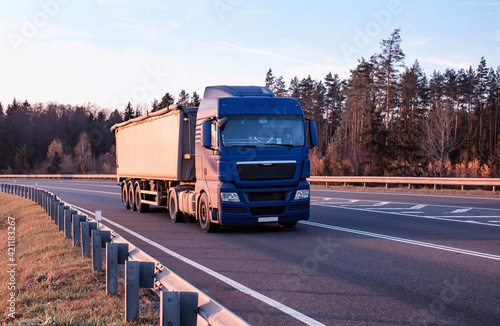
266	170
272	210
239	210
298	207
266	196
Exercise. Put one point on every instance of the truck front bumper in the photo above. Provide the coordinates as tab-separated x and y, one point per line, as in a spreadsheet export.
264	205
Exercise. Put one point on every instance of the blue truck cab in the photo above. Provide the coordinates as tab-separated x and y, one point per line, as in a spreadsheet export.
251	158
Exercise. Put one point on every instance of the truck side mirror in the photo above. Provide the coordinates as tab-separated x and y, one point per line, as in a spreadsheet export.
313	134
206	134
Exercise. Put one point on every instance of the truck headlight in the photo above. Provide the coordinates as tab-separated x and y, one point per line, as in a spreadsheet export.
302	194
231	197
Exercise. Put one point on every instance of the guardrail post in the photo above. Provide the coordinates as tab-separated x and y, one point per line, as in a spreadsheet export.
56	212
137	275
178	308
52	207
85	231
62	210
116	254
96	250
99	240
44	202
77	219
68	214
132	274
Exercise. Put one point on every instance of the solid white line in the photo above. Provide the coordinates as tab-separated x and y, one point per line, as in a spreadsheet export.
409	215
238	286
408	241
471	216
84	190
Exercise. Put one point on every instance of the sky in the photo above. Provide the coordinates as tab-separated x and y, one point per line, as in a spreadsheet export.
110	52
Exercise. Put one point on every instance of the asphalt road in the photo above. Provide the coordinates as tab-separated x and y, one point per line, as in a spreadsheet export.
364	258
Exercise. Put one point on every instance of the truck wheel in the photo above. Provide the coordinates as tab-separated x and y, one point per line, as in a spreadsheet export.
131	196
204	215
288	225
173	209
125	195
141	208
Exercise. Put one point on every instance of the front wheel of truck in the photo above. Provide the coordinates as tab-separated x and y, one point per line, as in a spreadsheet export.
204	215
173	210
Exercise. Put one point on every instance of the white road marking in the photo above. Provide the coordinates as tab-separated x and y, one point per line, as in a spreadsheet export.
463	210
419	206
471	216
408	241
84	190
382	203
447	218
238	286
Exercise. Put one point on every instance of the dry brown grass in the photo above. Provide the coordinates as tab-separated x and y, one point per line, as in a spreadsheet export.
55	285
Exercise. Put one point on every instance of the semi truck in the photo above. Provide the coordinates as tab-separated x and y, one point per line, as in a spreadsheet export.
240	157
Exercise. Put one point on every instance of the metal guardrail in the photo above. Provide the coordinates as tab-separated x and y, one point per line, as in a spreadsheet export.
60	176
180	302
365	180
411	181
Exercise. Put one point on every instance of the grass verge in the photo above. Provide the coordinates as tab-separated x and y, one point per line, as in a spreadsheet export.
51	282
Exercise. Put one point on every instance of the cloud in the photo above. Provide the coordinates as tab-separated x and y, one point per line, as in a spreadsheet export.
114	2
270	54
446	62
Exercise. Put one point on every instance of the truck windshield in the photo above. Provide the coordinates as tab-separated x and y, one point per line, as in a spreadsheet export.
268	130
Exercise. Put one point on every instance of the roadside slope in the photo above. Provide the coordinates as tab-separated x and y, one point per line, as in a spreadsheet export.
53	283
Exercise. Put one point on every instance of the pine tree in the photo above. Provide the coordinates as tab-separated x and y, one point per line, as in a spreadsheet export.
388	61
55	164
195	99
280	87
269	79
155	105
166	101
334	98
183	98
129	112
408	126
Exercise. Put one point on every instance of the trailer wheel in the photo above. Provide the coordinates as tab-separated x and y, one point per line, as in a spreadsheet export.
125	195
131	196
204	215
141	208
173	209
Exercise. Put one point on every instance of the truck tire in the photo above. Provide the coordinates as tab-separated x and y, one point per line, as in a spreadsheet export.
173	208
125	195
131	196
141	208
204	215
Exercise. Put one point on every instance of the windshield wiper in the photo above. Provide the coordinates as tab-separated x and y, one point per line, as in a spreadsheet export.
242	146
282	145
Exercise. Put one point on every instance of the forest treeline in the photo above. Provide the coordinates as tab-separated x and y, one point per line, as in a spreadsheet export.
387	118
391	119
